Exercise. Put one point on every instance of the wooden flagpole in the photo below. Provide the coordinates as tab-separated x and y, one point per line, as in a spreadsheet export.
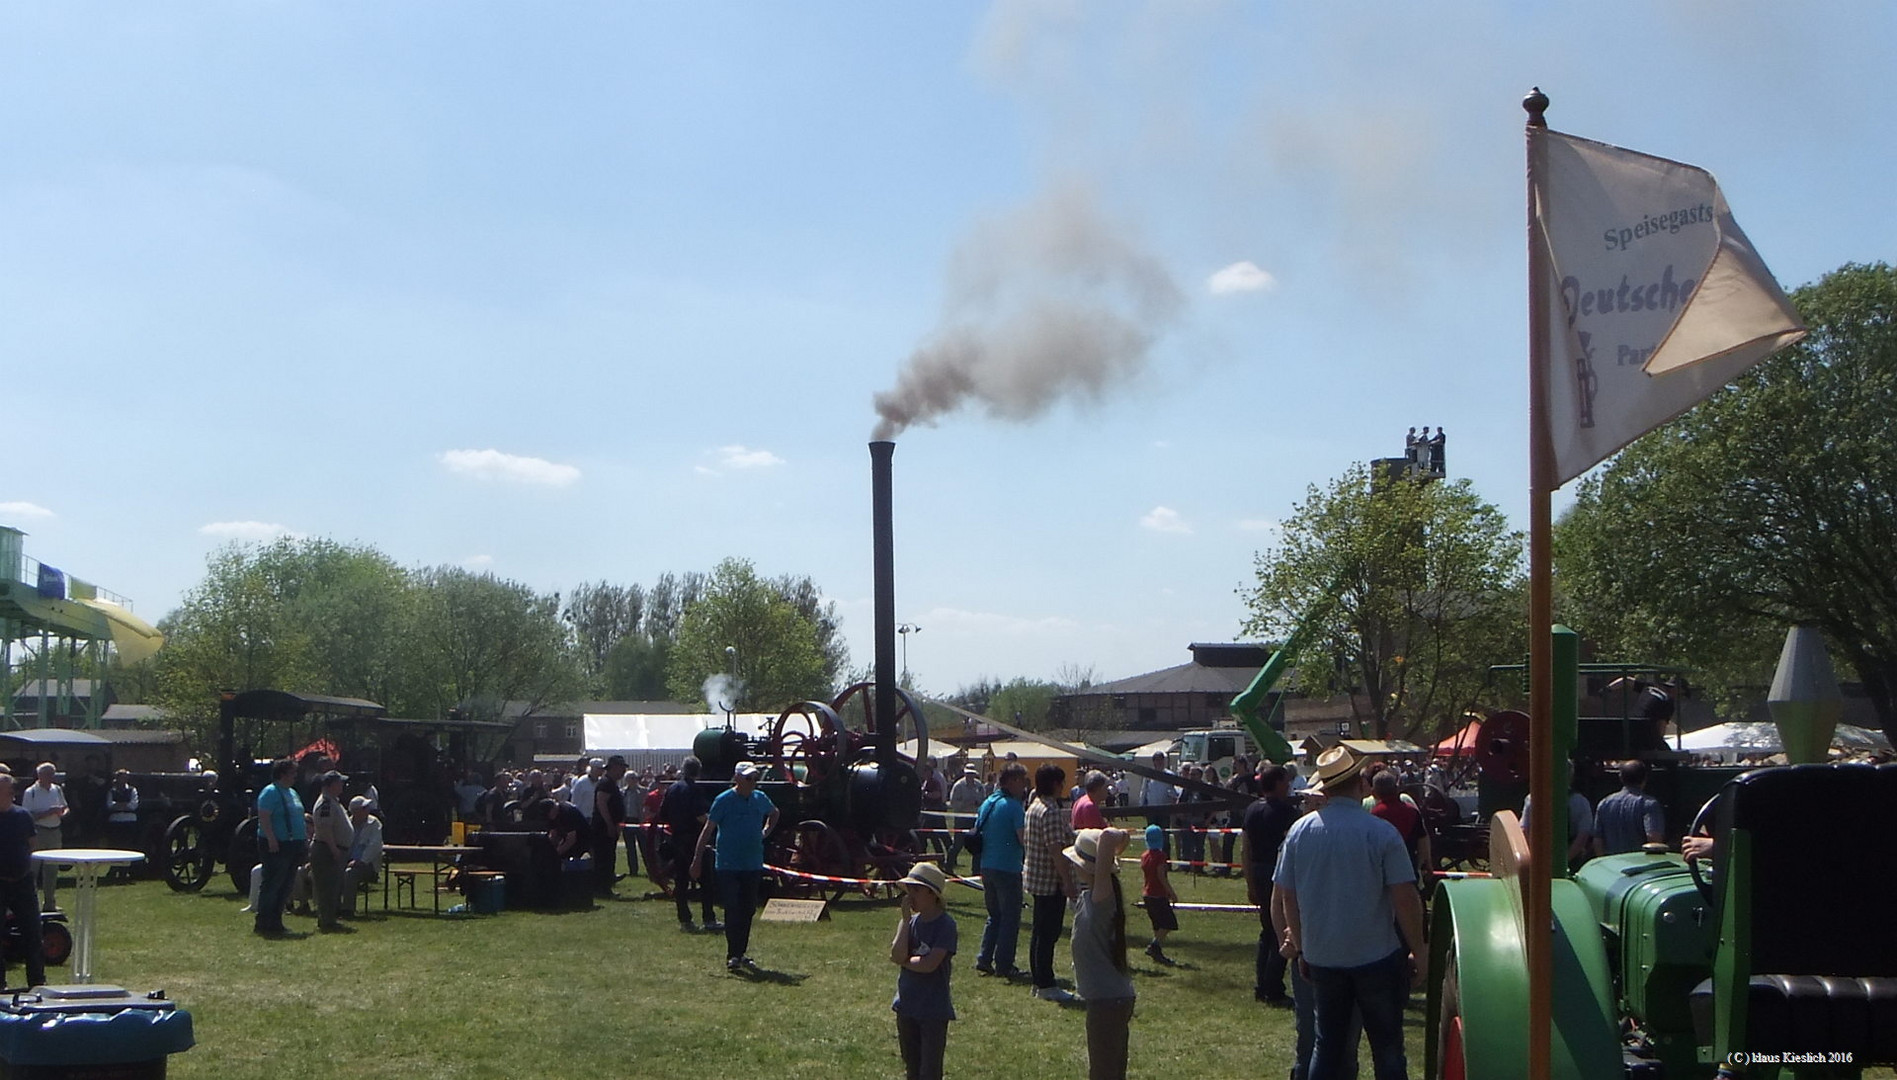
1537	908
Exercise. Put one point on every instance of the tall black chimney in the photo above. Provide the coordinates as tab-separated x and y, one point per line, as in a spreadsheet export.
883	556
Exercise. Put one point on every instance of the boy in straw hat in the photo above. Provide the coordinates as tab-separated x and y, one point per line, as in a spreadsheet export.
1348	887
925	942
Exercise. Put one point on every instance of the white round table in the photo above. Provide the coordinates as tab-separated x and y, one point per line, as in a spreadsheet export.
87	864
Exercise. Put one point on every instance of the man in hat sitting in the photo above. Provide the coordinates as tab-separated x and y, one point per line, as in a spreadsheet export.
1349	887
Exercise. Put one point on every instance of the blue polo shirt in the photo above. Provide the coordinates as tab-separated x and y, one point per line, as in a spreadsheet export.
1341	861
286	812
1002	821
740	839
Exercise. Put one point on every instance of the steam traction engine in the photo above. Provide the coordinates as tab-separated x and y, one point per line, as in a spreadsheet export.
848	802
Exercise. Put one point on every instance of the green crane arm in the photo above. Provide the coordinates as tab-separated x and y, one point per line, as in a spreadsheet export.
1248	707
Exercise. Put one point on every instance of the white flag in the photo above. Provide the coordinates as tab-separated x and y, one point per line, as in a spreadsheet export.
1655	298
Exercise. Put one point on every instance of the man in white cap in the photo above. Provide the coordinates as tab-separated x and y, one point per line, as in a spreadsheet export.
1348	887
964	801
739	820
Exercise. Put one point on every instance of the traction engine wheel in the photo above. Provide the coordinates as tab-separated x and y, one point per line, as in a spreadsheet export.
244	852
55	943
188	859
1449	1055
892	854
814	848
1502	747
807	737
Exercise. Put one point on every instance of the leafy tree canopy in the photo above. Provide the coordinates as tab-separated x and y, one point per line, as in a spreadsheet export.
1412	590
318	616
1772	503
778	650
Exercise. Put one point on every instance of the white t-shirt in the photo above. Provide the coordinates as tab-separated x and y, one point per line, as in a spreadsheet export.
582	794
39	800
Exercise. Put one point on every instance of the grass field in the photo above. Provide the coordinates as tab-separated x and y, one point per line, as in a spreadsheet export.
621	990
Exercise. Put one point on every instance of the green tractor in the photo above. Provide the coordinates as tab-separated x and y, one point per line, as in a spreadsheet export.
1778	959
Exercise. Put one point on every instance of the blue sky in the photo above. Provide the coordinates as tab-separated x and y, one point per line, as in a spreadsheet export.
594	291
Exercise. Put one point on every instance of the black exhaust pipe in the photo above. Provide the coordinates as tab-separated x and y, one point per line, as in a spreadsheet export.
883	556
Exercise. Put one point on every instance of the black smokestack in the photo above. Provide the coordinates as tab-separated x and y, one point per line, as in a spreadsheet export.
883	556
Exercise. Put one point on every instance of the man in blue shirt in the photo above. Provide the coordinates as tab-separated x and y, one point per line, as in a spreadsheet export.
18	891
739	820
285	837
1629	817
1003	822
1349	887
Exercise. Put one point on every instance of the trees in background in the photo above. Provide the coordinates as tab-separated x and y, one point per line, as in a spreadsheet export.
1413	590
319	616
1772	503
746	626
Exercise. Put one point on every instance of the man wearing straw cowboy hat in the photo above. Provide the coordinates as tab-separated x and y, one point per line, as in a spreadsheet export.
1348	887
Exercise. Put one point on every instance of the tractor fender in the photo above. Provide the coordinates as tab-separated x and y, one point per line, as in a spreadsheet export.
1476	928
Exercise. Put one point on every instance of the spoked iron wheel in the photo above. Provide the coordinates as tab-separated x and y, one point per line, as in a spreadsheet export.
188	859
243	856
1449	1055
55	943
892	854
814	848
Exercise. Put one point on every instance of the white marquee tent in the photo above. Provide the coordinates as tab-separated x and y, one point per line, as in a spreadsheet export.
665	734
1760	737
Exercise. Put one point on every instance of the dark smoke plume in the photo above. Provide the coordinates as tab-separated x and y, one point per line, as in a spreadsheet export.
1045	302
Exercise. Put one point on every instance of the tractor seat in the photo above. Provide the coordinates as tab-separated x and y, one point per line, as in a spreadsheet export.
1818	956
1812	1012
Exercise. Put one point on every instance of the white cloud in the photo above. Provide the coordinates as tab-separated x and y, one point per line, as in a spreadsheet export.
513	468
1240	277
1164	519
705	470
246	530
474	562
1260	525
22	510
738	457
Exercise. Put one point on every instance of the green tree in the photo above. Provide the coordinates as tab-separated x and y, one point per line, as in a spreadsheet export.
636	668
479	642
1770	504
232	632
779	653
602	615
1415	590
317	616
803	594
1024	702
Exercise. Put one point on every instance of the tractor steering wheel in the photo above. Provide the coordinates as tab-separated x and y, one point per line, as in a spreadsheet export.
1702	825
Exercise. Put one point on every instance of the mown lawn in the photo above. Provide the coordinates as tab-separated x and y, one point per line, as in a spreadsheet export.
619	990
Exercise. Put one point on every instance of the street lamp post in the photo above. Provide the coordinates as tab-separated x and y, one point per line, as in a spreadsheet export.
731	690
905	630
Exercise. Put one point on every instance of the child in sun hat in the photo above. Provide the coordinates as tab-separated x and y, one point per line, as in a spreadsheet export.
1157	892
1101	973
924	948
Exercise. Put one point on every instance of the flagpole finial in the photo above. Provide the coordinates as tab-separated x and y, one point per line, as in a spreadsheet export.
1536	103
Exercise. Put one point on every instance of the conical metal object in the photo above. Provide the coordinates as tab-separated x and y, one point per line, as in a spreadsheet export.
1805	701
